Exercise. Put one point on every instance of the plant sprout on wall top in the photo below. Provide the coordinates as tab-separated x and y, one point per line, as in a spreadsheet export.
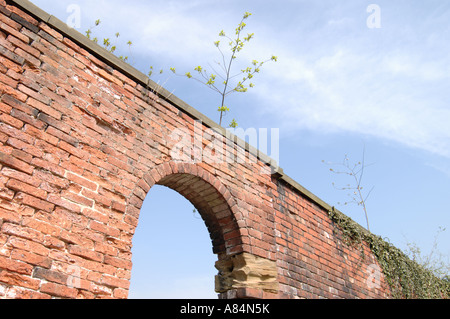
355	189
223	79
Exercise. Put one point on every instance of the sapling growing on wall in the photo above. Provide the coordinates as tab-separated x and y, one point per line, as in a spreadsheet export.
111	46
107	43
224	79
355	188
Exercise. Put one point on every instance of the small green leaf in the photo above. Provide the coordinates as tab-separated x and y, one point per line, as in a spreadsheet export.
223	108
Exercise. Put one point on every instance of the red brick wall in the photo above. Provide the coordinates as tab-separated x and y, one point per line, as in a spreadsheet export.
82	142
314	260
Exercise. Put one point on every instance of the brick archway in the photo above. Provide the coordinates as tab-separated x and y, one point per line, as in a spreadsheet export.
213	201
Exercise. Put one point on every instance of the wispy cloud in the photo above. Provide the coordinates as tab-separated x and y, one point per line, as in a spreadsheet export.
397	92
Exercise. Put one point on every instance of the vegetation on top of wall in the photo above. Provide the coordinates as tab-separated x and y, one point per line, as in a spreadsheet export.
223	79
406	278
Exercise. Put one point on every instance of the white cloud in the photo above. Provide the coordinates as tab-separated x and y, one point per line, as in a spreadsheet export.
400	96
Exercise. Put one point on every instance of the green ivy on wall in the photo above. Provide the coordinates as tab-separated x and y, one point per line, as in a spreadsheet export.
406	278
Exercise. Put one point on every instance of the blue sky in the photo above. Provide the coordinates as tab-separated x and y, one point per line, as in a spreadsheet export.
338	87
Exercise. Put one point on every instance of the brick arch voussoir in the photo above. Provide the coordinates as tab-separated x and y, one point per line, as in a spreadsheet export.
227	221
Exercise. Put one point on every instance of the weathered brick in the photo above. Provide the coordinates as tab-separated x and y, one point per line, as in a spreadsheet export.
50	275
8	80
98	199
5	16
58	290
11	55
18	13
24	293
55	34
7	90
65	203
85	253
28	245
48	166
118	262
26	188
26	118
76	151
54	122
34	94
15	103
111	78
24	232
27	22
30	60
82	181
15	279
14	122
21	155
31	258
44	108
34	202
15	163
9	216
102	228
6	28
78	199
24	46
15	266
115	282
61	102
62	136
120	293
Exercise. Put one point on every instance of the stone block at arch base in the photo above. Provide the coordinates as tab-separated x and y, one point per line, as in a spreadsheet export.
246	276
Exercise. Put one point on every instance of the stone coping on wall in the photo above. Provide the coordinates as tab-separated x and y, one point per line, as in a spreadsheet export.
144	80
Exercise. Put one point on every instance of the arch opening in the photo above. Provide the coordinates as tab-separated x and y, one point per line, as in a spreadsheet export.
209	197
171	254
